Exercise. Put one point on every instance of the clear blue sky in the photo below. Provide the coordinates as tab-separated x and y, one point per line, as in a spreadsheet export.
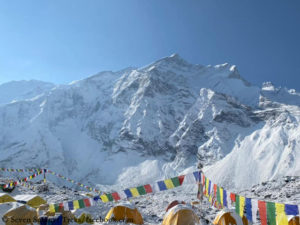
65	40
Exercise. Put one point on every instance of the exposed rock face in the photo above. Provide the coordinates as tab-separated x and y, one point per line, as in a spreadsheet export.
117	126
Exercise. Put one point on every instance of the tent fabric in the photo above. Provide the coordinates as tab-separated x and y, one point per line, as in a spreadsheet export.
174	203
294	220
4	198
228	217
123	213
181	215
23	214
126	204
32	200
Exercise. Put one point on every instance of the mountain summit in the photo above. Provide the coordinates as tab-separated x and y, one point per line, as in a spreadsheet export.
116	127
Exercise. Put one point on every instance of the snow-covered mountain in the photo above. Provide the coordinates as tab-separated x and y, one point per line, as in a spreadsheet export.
22	90
138	125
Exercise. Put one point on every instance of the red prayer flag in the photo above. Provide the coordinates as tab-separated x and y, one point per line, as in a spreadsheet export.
232	197
262	212
215	190
116	196
148	188
181	178
87	202
61	206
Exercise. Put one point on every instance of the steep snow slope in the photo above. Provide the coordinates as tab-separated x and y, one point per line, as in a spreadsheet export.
137	125
22	90
269	152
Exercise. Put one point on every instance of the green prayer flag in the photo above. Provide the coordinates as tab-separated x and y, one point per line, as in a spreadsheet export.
81	203
56	207
110	197
175	181
141	190
218	195
237	204
271	213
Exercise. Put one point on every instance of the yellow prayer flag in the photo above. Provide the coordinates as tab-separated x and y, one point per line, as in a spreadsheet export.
221	196
52	208
104	198
281	217
169	184
206	186
76	204
242	206
134	192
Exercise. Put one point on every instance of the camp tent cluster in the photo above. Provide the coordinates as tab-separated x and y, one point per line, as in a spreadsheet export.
240	210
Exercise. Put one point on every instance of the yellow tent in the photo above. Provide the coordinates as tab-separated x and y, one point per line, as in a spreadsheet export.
125	212
181	215
22	215
32	200
226	217
294	220
6	198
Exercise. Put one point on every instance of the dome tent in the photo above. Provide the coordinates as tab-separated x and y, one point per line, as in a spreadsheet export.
228	217
181	215
125	212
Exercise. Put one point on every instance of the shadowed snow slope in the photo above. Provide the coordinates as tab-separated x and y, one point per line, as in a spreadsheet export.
138	125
